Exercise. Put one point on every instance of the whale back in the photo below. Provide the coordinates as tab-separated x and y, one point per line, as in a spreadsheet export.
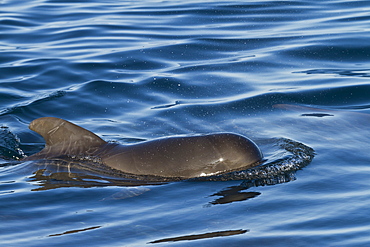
187	156
64	138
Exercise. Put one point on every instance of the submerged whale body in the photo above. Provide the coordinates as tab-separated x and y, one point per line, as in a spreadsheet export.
180	157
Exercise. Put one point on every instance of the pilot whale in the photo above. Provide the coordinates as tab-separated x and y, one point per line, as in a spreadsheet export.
182	157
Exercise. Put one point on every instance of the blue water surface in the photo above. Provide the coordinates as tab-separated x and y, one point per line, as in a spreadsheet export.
136	70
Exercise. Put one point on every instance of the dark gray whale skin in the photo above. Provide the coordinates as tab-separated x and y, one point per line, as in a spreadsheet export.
181	157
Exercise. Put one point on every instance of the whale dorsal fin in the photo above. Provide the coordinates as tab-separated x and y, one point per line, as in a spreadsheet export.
64	138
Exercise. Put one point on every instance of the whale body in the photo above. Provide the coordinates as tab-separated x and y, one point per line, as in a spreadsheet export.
181	157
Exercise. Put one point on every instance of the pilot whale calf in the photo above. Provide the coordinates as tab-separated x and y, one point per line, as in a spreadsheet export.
181	157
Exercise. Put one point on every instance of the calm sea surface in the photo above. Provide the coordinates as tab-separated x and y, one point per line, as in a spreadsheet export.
136	70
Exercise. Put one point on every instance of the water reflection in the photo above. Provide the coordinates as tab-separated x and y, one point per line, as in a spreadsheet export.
74	231
47	181
316	115
233	194
201	236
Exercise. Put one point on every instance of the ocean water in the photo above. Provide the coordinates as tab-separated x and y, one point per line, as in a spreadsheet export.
131	71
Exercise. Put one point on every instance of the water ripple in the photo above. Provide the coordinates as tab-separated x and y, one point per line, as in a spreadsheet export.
138	70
